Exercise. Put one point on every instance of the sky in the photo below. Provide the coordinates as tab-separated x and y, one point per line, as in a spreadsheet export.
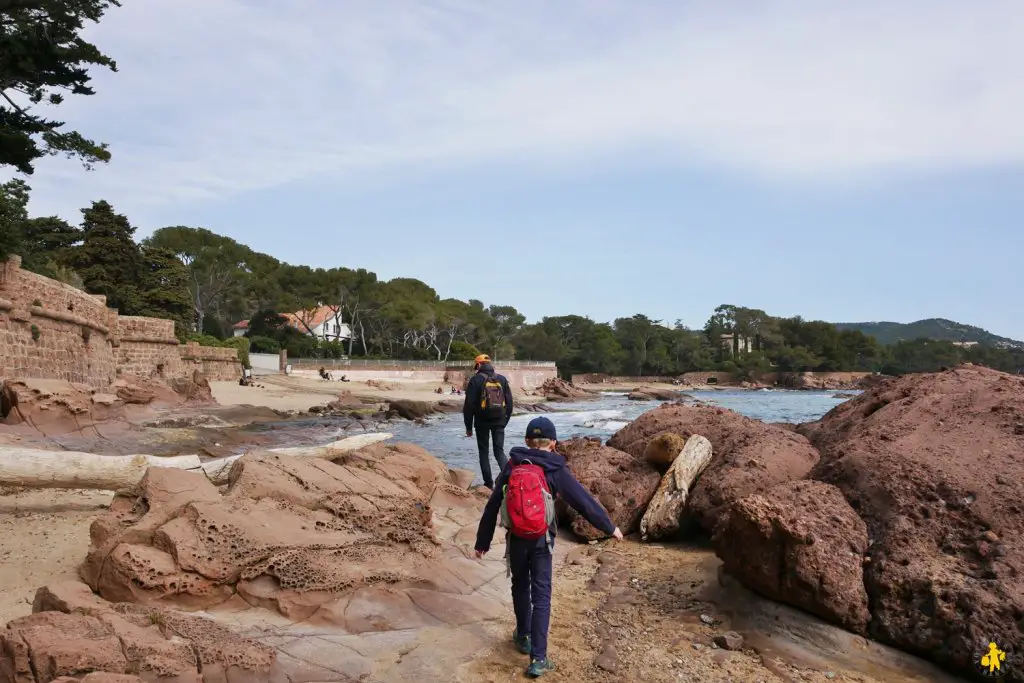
835	160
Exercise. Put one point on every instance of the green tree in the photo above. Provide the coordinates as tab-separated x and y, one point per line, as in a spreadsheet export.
14	195
46	245
46	58
108	259
163	288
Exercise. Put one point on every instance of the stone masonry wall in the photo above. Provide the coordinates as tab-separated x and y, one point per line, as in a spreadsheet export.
50	330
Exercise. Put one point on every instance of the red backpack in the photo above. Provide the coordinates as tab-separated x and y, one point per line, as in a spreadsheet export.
528	508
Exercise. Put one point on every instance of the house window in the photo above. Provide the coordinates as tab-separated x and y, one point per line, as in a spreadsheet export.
337	329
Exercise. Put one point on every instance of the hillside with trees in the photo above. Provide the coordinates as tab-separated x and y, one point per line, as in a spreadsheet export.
936	329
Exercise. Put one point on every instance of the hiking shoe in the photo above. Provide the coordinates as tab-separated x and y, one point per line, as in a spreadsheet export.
522	643
539	667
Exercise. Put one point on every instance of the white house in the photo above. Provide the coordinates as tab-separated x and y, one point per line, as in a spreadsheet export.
323	322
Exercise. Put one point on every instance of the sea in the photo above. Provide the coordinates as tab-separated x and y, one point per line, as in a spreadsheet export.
445	436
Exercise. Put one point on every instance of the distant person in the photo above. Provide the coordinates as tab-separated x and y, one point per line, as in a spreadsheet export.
488	408
525	496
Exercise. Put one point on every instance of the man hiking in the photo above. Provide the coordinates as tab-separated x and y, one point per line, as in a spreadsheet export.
488	408
524	495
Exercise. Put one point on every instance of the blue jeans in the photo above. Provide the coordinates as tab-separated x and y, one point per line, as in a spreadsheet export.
530	562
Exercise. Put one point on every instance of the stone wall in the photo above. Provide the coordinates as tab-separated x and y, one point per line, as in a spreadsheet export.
50	330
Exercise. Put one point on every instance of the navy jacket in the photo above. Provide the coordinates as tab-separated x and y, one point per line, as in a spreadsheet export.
474	393
560	482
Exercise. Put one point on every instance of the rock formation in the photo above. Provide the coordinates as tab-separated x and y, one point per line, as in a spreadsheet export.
749	456
72	632
802	544
560	390
934	464
623	484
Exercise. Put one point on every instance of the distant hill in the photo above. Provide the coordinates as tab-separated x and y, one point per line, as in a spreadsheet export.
932	328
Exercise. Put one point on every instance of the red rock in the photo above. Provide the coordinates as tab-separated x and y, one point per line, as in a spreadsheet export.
749	456
932	464
802	544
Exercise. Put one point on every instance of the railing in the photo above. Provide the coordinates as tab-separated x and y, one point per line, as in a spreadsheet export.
335	362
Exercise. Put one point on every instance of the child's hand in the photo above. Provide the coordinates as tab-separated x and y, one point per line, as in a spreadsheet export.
469	434
617	535
480	554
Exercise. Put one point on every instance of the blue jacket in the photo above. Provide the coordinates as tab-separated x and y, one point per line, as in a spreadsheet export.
560	482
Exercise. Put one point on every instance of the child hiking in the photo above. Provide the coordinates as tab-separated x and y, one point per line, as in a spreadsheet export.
524	496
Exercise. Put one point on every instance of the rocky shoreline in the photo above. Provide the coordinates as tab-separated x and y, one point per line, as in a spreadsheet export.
895	517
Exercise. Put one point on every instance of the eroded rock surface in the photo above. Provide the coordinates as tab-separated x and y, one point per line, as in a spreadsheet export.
294	535
749	456
802	544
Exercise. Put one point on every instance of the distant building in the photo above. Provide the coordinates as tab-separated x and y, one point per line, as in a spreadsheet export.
321	322
965	345
733	344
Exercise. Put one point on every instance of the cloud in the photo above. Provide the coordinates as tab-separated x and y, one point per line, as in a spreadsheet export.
221	97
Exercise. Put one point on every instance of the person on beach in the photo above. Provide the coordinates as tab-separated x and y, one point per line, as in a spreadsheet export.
524	495
488	408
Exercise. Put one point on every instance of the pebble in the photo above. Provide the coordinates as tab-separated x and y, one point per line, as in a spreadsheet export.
707	620
830	675
696	646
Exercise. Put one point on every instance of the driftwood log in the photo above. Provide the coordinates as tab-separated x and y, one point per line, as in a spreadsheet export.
666	508
35	468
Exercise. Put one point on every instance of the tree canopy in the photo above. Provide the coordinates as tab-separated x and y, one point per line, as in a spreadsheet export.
45	60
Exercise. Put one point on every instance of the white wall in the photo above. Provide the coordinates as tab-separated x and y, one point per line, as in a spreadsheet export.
263	363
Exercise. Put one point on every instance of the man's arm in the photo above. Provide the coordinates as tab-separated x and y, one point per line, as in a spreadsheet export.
489	520
580	500
508	401
472	401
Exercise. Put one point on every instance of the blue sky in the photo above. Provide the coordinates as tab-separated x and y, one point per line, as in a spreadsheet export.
844	161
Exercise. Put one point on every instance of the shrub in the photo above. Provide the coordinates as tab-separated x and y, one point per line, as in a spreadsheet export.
260	344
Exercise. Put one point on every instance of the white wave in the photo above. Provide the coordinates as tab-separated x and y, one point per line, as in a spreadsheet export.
604	425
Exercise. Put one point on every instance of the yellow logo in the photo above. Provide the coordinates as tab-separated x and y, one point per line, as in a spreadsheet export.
992	661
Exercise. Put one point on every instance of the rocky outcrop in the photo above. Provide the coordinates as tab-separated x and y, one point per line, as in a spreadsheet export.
194	388
560	390
802	544
654	394
291	534
55	406
623	484
933	464
749	456
72	632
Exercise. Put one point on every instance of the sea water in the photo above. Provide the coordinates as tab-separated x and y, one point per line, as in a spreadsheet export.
445	436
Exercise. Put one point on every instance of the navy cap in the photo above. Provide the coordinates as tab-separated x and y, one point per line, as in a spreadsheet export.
541	428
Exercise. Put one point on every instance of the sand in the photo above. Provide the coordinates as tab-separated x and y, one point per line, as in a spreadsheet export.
296	393
45	536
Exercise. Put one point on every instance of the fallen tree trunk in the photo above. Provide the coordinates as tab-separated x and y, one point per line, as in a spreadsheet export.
73	470
666	508
35	468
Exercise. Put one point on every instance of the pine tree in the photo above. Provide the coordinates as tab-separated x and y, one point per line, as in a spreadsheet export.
164	289
108	260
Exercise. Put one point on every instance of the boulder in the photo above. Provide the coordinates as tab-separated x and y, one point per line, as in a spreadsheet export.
655	394
749	456
193	389
624	485
933	464
662	450
559	390
639	396
802	544
412	410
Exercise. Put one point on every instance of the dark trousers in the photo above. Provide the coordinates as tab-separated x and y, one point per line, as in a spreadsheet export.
530	562
496	434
